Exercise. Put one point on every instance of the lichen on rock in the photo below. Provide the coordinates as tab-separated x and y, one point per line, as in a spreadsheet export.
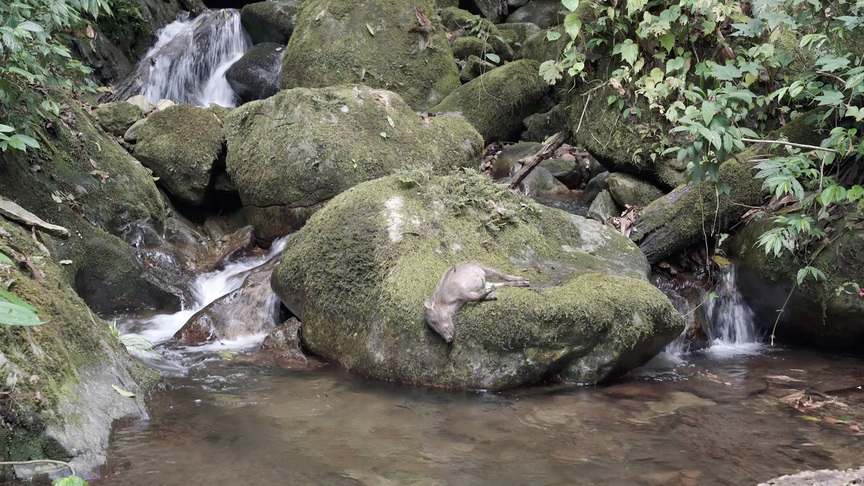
359	271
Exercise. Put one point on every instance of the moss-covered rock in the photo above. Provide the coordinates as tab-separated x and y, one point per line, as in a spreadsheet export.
115	118
466	46
629	190
255	76
517	33
540	126
496	102
474	67
542	13
56	378
378	43
603	207
815	314
293	151
181	145
494	10
270	21
359	271
620	143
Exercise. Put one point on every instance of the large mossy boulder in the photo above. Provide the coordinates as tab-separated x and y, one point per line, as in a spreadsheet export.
270	21
358	273
629	190
290	153
255	76
813	313
380	44
181	145
58	401
619	142
497	102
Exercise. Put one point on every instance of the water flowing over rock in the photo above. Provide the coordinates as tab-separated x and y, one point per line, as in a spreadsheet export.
290	153
255	76
188	63
357	275
383	45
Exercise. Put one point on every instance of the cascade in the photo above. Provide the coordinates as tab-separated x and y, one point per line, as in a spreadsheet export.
188	62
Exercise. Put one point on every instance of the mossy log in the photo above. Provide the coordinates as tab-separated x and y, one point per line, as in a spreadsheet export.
693	212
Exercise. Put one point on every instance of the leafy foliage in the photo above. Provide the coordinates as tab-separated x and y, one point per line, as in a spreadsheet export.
13	310
721	72
70	481
34	60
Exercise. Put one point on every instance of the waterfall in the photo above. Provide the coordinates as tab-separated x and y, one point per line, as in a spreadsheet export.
731	328
188	62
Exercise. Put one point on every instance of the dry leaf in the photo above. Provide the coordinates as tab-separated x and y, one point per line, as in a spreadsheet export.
90	32
65	262
370	29
424	20
93	164
320	15
123	392
781	378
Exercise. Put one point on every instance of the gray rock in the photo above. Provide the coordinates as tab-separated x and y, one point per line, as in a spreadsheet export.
517	33
142	102
271	21
603	207
567	171
357	276
542	13
164	104
822	477
474	67
494	10
595	185
629	190
131	135
540	126
255	76
283	342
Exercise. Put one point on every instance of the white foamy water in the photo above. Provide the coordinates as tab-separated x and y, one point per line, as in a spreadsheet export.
205	289
732	330
190	57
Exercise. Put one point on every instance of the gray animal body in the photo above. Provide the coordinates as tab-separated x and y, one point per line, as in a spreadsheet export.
464	282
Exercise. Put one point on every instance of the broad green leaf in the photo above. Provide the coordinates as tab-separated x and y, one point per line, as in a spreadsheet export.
855	112
28	141
854	193
493	57
7	296
572	25
832	63
726	72
15	315
570	5
830	97
635	6
69	481
667	41
30	26
5	259
628	51
551	71
6	128
553	35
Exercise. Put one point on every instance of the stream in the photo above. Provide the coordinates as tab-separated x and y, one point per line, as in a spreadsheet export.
712	416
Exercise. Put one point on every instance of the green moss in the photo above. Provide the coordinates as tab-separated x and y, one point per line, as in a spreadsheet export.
332	45
181	145
299	148
115	118
496	102
360	285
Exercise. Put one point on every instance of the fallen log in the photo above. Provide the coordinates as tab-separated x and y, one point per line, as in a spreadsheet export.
546	150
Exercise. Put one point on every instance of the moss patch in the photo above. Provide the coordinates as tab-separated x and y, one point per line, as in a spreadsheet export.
360	286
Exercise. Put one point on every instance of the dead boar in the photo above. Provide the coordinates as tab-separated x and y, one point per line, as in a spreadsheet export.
464	282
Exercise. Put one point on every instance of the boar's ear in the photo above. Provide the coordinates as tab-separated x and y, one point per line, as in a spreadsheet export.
429	303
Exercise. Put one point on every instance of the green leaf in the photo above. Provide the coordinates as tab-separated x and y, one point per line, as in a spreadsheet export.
30	27
667	41
628	51
6	128
28	141
830	97
832	63
553	35
854	193
726	72
5	259
570	5
69	481
493	57
572	25
635	6
370	29
551	71
15	315
7	296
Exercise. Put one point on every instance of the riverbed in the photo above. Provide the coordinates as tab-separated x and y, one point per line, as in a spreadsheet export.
710	417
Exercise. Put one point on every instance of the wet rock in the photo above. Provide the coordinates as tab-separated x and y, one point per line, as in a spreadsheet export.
271	21
332	45
143	103
540	126
822	477
58	397
507	162
164	104
567	171
497	102
595	185
292	152
603	207
238	244
283	342
539	182
181	145
255	76
115	118
251	309
618	142
474	67
630	190
467	46
454	19
815	314
542	13
357	276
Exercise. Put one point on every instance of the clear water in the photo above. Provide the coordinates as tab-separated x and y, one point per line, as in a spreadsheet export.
703	421
190	57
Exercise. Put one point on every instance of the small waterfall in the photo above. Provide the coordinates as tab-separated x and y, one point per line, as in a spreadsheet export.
189	60
731	328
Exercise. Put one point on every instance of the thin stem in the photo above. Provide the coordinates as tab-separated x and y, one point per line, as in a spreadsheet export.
791	144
